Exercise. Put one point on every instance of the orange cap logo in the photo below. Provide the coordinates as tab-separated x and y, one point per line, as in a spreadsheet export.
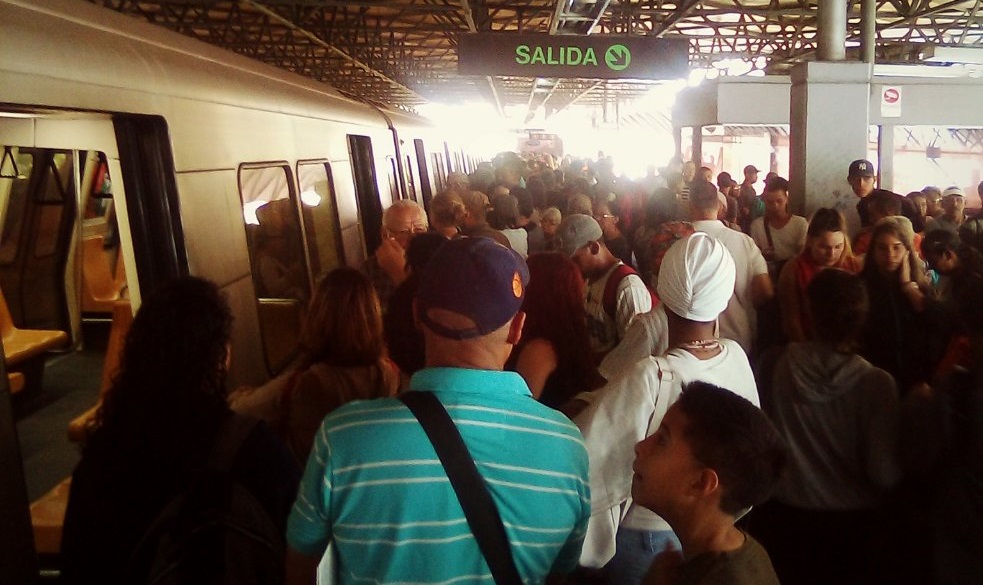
517	285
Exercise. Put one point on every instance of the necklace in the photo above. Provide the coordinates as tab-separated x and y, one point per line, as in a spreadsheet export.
700	345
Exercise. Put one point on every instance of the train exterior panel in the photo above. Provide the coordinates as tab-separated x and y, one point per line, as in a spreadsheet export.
77	72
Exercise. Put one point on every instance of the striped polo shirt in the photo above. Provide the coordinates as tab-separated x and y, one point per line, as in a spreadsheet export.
375	487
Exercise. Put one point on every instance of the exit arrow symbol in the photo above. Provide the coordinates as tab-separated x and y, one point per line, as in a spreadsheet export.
617	57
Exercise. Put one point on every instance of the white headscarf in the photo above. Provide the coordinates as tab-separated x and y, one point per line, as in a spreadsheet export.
697	278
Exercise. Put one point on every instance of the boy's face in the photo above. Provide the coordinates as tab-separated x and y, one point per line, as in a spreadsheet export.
665	466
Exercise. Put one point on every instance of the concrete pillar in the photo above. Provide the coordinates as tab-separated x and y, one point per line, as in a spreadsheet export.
832	30
698	146
885	157
677	137
868	30
828	127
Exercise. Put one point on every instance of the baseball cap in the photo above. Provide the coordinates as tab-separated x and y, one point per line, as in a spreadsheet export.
953	191
861	168
751	169
576	231
477	278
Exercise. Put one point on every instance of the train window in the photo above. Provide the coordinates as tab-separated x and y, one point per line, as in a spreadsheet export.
438	171
366	190
421	161
276	255
52	197
321	223
273	232
393	181
16	171
410	183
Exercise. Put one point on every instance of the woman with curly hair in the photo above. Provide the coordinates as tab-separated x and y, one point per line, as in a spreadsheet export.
554	355
343	356
157	426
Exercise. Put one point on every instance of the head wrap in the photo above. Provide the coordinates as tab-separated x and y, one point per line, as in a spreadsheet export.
697	278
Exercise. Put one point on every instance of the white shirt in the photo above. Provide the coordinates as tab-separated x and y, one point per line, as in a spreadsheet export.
625	411
738	321
631	298
518	239
787	241
647	335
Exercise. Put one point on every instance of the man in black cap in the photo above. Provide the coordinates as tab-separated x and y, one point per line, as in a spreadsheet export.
861	178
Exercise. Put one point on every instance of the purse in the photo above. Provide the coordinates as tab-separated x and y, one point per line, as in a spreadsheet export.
472	493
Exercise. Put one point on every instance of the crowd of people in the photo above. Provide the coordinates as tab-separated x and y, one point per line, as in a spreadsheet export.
666	381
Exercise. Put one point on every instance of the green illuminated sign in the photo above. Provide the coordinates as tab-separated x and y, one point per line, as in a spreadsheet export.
617	57
593	56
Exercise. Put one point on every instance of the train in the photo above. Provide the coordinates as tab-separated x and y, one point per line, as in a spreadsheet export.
187	159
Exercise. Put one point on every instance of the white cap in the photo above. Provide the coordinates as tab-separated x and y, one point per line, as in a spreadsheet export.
953	191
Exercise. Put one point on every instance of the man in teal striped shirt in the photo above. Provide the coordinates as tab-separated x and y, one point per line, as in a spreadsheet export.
376	491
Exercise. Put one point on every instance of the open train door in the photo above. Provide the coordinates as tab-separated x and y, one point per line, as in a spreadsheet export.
67	199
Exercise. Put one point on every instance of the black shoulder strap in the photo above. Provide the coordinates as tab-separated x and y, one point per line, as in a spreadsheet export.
479	509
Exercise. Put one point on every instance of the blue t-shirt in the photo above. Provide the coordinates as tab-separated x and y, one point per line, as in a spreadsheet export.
375	487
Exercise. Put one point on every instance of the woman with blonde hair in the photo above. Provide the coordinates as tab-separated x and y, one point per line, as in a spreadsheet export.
343	357
447	213
827	246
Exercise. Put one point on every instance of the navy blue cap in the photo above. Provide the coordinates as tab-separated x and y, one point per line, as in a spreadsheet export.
861	168
477	278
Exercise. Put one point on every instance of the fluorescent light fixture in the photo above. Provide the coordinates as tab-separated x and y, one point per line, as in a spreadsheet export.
936	54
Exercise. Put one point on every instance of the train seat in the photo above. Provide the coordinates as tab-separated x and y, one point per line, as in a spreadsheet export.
100	287
82	426
20	345
16	381
48	518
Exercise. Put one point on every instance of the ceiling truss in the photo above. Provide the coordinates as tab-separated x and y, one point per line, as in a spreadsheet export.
403	53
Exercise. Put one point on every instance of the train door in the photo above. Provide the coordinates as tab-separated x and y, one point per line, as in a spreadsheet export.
84	200
366	190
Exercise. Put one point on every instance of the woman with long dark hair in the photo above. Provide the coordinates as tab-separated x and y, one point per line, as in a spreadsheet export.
554	354
157	426
896	338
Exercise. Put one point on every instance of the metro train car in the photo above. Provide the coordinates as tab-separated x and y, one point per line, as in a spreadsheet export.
165	156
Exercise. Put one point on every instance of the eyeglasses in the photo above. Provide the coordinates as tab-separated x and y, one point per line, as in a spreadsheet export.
408	232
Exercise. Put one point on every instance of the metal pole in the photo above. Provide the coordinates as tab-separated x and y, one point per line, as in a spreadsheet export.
832	30
868	31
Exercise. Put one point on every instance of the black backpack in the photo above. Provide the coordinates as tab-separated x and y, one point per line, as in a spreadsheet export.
213	532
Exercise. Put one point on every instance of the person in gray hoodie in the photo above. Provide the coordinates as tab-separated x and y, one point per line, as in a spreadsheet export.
840	416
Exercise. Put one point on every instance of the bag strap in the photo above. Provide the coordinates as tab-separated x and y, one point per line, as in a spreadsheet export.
472	493
609	299
768	233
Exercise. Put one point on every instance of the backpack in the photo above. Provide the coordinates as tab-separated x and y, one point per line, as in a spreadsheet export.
609	298
214	531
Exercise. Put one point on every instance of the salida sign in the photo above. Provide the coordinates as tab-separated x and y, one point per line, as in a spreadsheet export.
570	56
